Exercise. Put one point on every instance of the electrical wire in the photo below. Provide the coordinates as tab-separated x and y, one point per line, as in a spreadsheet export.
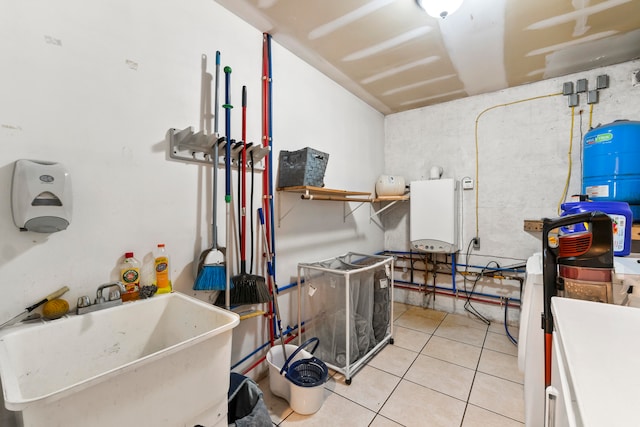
477	148
566	184
506	326
581	139
467	305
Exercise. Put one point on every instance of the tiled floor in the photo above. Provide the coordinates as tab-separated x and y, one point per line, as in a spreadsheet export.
442	370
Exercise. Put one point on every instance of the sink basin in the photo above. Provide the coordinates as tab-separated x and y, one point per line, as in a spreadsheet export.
163	361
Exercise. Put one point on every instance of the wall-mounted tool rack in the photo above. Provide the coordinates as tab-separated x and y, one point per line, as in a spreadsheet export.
197	147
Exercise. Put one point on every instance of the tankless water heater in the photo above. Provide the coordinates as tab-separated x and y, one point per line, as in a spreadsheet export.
434	216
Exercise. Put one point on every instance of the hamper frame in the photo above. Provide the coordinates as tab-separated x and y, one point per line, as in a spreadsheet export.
351	368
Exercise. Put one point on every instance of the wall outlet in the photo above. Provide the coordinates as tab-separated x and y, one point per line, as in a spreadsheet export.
635	78
476	243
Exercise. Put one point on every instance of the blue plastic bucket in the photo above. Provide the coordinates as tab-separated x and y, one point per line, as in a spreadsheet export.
611	164
620	215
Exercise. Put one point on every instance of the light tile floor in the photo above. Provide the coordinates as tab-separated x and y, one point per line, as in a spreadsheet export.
442	370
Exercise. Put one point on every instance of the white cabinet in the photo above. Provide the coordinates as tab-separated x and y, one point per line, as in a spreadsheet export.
595	364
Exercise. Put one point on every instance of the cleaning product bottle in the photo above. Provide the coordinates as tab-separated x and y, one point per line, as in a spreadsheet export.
130	277
161	263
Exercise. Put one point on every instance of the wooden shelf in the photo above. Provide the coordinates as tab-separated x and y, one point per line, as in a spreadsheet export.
533	225
320	193
402	198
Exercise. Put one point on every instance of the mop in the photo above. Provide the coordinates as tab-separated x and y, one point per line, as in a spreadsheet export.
274	286
227	197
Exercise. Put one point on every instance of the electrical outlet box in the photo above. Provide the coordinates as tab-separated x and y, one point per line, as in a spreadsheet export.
592	97
582	85
602	81
476	243
635	78
574	100
567	88
467	183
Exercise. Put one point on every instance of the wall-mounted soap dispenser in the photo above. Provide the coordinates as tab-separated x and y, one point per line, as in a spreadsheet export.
41	196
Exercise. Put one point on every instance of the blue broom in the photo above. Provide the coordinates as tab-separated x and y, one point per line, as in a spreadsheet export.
212	275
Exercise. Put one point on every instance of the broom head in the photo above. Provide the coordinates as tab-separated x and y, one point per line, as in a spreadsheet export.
247	289
212	275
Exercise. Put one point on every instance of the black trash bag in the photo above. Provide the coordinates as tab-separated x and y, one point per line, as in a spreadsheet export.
246	405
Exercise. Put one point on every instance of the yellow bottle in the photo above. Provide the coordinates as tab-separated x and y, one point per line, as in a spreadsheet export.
161	265
130	277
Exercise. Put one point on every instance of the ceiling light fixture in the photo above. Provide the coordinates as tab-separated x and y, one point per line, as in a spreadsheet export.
439	8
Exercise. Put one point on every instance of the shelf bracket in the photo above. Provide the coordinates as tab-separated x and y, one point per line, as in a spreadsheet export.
392	201
282	215
346	214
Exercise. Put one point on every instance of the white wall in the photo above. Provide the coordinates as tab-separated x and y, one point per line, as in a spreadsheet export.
96	85
522	158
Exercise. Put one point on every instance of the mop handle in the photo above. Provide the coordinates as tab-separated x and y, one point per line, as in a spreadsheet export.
227	115
227	163
214	214
274	287
266	249
216	96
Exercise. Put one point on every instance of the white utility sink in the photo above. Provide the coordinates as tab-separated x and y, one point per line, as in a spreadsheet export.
164	361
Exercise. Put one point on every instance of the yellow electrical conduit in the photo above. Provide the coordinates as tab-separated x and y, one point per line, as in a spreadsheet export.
566	184
477	150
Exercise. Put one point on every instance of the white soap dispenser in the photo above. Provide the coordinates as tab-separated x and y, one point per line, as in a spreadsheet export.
41	196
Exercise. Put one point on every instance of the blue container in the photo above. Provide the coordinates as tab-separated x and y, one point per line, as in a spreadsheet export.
620	215
611	164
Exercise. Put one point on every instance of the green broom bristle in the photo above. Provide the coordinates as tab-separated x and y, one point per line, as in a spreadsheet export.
211	278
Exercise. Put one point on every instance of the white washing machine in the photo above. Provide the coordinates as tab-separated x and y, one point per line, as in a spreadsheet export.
531	335
531	342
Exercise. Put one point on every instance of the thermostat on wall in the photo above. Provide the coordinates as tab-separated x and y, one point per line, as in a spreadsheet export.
467	183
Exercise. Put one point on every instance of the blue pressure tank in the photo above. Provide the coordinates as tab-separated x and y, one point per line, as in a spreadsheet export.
611	164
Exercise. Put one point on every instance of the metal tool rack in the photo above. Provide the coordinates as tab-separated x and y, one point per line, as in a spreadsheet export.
354	289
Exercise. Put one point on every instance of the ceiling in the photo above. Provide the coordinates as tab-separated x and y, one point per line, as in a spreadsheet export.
395	57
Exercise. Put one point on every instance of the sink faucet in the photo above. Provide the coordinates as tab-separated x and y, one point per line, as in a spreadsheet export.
114	299
100	299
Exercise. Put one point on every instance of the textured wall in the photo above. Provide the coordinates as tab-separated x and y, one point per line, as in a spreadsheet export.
522	159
